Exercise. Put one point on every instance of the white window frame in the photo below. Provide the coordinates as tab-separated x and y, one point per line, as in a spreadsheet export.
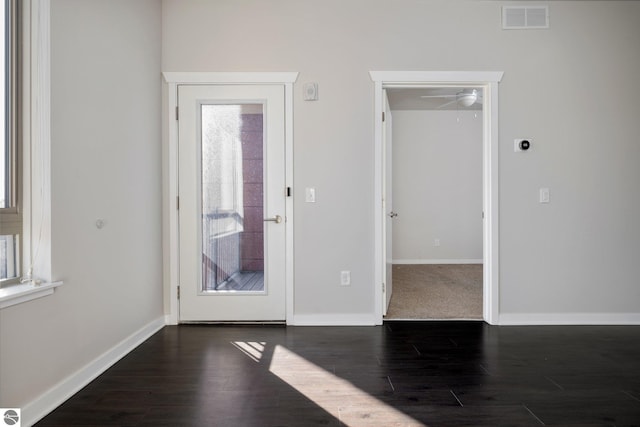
36	158
11	216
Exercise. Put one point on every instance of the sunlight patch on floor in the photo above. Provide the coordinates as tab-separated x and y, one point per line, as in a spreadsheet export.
344	401
252	349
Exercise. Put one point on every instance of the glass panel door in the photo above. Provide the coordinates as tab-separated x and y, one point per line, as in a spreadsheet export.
232	198
231	181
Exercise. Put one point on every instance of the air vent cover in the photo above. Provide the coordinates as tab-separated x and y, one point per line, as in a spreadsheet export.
525	17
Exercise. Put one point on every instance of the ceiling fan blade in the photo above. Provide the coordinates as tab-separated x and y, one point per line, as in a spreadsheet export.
447	103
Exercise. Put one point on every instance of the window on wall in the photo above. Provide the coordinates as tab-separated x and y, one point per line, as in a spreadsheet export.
10	208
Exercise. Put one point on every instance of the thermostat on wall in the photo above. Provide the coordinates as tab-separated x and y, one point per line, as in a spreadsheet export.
521	144
310	91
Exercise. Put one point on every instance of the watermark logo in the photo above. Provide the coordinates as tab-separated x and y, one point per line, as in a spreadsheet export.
10	417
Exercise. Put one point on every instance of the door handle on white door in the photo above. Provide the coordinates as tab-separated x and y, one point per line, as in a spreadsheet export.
392	214
277	219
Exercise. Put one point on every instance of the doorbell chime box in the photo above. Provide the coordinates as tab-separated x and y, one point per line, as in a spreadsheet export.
310	91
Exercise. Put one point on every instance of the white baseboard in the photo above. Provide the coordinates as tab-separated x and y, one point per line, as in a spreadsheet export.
55	396
516	319
170	319
437	261
338	319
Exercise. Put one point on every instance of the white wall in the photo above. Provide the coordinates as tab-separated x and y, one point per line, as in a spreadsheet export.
571	89
437	186
105	78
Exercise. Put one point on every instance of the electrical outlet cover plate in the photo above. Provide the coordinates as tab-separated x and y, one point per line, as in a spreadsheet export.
345	278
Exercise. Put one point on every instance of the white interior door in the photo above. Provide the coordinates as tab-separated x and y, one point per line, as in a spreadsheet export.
232	202
387	203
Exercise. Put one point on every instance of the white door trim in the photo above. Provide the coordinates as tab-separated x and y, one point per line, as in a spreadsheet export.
489	81
170	173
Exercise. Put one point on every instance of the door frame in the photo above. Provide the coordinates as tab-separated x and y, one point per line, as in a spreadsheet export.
170	226
387	165
487	80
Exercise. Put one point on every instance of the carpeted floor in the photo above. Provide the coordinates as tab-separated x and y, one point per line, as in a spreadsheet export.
436	291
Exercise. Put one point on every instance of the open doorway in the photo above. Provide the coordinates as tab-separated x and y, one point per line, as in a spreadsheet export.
487	82
435	159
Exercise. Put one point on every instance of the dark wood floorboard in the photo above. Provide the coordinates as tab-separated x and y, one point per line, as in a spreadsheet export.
399	374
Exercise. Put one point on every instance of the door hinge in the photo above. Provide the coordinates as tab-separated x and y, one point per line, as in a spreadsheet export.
177	115
384	287
383	117
178	292
482	214
288	192
178	203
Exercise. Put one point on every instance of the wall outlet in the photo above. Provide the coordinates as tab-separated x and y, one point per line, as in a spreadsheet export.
436	242
345	278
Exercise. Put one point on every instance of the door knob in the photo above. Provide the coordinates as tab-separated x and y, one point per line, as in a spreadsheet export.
277	219
392	214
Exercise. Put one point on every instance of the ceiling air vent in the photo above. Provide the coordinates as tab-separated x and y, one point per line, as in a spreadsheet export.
525	17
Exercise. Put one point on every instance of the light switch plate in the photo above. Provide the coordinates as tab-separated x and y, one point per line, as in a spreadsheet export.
310	195
544	195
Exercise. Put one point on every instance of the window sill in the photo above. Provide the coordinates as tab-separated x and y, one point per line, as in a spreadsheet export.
17	294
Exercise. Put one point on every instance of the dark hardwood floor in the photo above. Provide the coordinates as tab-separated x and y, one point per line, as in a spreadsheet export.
400	374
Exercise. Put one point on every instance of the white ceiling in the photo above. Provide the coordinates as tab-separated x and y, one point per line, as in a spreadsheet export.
410	99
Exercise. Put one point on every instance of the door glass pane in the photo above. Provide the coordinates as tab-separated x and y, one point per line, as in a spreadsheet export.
232	198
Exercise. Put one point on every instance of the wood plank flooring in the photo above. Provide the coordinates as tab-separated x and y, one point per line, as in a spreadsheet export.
399	374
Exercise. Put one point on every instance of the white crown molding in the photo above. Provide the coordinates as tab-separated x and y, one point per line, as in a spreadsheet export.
230	77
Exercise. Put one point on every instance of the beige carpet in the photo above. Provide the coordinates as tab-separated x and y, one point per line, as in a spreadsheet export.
436	291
